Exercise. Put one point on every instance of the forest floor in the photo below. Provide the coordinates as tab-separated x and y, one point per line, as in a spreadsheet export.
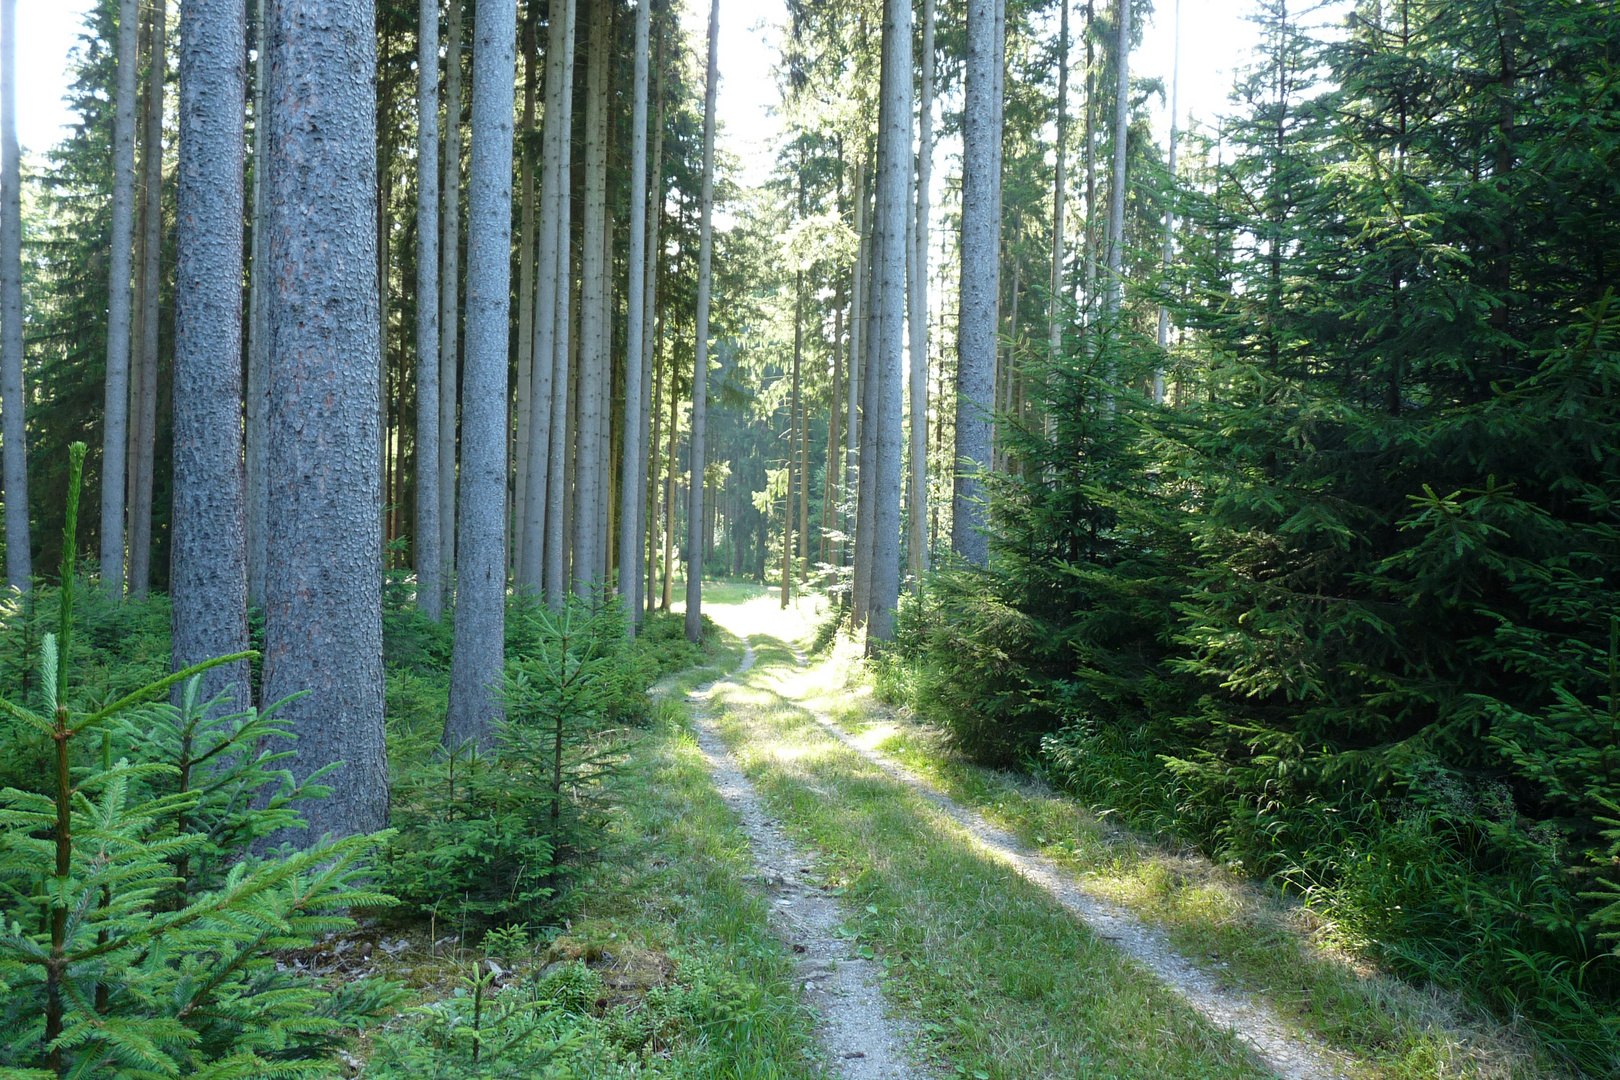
946	920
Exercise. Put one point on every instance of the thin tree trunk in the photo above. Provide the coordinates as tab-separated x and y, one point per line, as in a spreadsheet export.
1116	192
976	333
866	473
1090	238
700	363
593	314
652	336
523	406
450	298
669	497
115	424
804	486
208	569
143	411
917	532
19	557
323	586
895	210
793	426
1169	213
557	471
429	538
829	500
1054	299
256	410
633	481
652	470
857	320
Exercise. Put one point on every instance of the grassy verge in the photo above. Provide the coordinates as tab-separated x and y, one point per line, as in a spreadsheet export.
1247	937
1000	981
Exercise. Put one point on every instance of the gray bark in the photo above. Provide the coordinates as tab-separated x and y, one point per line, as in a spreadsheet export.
115	424
523	407
478	653
19	557
917	534
323	586
557	472
208	566
143	410
866	473
449	298
852	419
1090	237
1169	214
256	402
632	483
1116	189
700	364
894	211
649	309
976	333
593	330
429	560
1054	342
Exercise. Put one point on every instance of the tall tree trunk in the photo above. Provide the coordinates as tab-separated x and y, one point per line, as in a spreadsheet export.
558	497
857	327
523	406
19	556
449	297
976	333
115	424
208	569
700	362
428	539
1090	236
1116	189
793	424
653	446
143	407
633	481
894	211
804	486
917	533
593	312
1169	212
323	586
256	410
479	650
672	465
830	489
1054	299
866	472
652	334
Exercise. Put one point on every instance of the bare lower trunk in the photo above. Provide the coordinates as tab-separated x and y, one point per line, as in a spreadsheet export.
429	561
323	586
523	406
632	482
593	329
866	473
669	502
19	560
143	409
917	531
556	550
1090	238
256	404
115	423
1116	192
857	326
208	569
449	298
478	655
700	364
652	325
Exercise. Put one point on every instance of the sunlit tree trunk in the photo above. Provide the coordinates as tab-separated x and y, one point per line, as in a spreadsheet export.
672	465
143	404
651	333
208	567
1169	213
19	560
1054	299
449	297
1090	237
593	313
323	586
427	553
866	471
857	326
917	533
793	428
976	333
523	406
1116	189
700	364
633	479
557	494
115	416
478	653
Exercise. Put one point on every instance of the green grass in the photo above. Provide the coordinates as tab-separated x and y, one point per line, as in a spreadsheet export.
1247	937
1000	981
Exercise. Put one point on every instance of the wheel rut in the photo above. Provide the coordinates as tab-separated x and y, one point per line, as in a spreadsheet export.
860	1039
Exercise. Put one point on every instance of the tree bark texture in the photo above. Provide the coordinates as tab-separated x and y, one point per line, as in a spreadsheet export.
13	442
857	321
428	557
1116	190
1054	325
143	405
479	650
208	567
115	422
700	363
1169	214
593	312
976	333
523	406
323	589
450	297
557	473
917	503
256	403
632	483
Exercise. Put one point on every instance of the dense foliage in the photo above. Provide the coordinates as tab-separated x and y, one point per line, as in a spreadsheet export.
1342	610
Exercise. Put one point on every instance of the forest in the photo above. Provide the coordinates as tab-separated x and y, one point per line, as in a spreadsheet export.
1035	577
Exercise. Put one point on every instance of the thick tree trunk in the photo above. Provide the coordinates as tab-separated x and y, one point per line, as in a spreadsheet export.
917	531
523	406
976	333
700	364
589	488
256	410
429	559
894	210
633	479
1169	213
19	557
115	423
558	497
1116	190
143	406
323	586
208	569
449	298
478	655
